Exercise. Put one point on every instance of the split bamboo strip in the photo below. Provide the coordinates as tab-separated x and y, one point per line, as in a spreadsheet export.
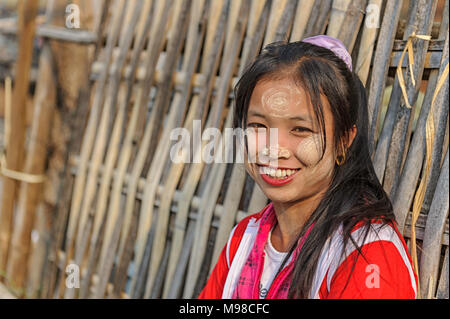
318	18
337	16
285	22
90	190
381	63
401	132
398	116
111	155
439	95
199	103
156	166
368	39
352	21
227	68
431	247
302	14
115	196
443	287
276	13
203	221
197	29
88	140
156	39
254	24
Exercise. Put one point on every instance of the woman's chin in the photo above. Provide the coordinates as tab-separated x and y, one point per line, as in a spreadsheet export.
281	195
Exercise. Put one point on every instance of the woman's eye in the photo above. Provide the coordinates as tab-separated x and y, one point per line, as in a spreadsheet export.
256	125
301	129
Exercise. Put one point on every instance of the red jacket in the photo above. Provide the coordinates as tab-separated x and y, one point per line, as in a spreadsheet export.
384	271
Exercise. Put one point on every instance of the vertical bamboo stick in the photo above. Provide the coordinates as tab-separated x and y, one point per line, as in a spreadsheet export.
194	40
218	170
163	10
432	242
368	39
304	8
200	102
88	140
352	23
381	60
398	121
337	16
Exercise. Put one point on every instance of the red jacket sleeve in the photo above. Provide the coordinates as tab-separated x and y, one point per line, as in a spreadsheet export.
381	274
216	281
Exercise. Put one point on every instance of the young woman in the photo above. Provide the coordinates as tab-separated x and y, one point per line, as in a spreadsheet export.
329	229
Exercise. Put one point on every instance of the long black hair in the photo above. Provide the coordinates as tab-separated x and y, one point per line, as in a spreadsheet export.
355	194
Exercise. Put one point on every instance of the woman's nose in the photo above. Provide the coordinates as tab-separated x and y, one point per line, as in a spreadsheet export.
276	152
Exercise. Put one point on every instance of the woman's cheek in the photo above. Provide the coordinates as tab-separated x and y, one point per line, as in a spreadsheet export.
309	150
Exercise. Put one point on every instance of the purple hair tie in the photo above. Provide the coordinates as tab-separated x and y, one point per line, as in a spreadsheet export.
332	44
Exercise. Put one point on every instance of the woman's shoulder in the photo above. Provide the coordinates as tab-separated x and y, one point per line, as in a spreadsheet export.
377	250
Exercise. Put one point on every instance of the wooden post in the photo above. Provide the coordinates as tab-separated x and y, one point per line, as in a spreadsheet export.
14	156
29	197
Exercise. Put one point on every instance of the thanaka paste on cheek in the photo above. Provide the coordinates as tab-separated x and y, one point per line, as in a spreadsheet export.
309	150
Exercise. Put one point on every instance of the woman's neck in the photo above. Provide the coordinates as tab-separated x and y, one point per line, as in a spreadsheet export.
291	218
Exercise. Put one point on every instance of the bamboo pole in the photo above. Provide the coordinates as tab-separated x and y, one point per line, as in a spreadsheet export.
351	23
443	287
318	18
432	242
14	156
403	125
368	39
397	123
337	16
381	63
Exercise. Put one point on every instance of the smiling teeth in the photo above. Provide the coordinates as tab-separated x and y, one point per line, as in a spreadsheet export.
277	172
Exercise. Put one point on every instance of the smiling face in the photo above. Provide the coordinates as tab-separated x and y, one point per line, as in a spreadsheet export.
299	172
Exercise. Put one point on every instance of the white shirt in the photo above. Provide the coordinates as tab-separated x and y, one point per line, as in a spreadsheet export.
272	262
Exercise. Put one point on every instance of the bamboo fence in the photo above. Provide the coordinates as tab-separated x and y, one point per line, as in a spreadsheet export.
86	178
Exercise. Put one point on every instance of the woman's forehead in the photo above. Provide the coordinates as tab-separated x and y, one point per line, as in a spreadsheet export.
283	98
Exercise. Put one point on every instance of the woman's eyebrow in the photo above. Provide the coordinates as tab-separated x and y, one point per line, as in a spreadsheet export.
256	113
306	118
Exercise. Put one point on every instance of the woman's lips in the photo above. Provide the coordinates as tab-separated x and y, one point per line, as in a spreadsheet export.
283	176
